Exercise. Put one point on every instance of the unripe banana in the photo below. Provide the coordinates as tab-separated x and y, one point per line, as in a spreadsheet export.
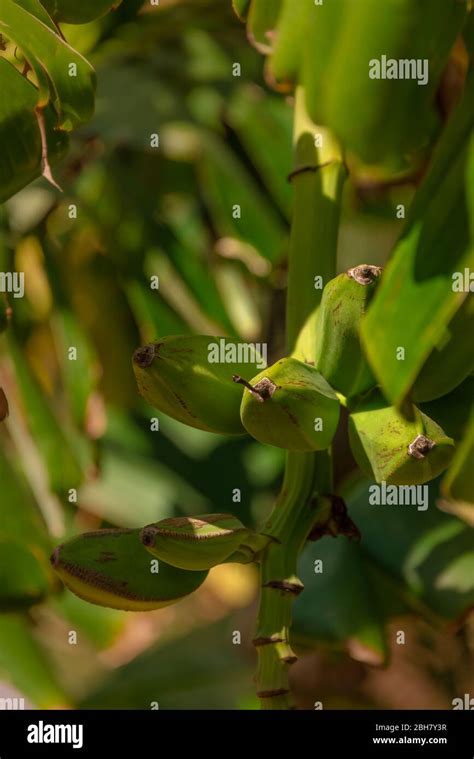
449	364
290	405
338	352
390	448
194	542
112	568
175	376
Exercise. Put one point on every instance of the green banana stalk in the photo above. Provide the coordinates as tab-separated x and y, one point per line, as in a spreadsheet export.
450	364
175	376
338	353
195	542
390	448
111	568
290	405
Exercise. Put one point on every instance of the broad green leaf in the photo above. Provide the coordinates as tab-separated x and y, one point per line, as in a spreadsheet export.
338	604
418	547
112	568
78	11
261	23
241	7
229	191
458	482
24	663
451	411
101	626
65	78
152	314
19	129
264	126
410	560
25	573
175	677
60	460
80	373
416	300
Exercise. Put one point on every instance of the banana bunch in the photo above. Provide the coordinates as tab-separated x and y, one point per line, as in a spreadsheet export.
111	568
290	405
175	375
116	568
338	352
370	70
391	448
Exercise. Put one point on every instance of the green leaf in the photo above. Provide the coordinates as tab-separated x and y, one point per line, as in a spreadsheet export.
338	605
19	129
408	560
225	183
423	546
261	23
241	7
416	300
23	661
174	675
458	482
79	375
25	573
60	460
112	568
264	126
65	78
78	11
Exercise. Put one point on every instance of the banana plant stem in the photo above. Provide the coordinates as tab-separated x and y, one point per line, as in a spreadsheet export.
317	178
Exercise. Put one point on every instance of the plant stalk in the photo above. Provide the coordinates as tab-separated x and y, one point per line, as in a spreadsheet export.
318	178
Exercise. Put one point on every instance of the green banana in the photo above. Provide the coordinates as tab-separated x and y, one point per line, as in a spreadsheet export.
79	11
450	364
176	376
111	568
370	70
195	542
338	352
290	405
391	448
